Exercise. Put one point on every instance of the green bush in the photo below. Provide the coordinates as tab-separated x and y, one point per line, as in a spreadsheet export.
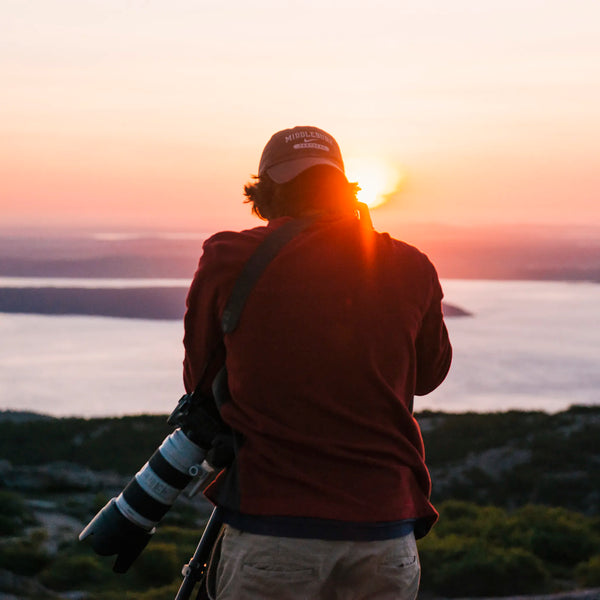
23	557
158	564
490	572
72	571
435	552
468	519
487	523
180	536
458	509
557	535
12	504
184	539
14	513
162	593
588	573
460	565
10	525
484	550
121	444
158	593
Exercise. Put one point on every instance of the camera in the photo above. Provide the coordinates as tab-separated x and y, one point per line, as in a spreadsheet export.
197	450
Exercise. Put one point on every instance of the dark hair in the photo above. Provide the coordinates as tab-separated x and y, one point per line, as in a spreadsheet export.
321	188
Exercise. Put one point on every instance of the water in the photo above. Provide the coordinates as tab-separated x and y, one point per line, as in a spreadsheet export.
90	366
529	346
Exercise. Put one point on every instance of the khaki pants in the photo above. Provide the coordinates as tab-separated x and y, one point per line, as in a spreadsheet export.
259	567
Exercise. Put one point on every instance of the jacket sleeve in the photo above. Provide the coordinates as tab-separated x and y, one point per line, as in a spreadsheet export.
203	340
434	352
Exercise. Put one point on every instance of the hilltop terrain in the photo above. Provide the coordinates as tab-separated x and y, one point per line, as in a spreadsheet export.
508	459
501	252
517	493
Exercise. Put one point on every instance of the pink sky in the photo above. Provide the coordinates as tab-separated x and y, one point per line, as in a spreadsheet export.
153	114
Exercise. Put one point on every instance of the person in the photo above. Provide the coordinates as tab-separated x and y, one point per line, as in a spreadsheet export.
329	488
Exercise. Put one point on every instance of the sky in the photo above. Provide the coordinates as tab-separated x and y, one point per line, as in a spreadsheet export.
127	114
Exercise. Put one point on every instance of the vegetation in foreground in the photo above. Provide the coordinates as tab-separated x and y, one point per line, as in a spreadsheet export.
516	493
473	551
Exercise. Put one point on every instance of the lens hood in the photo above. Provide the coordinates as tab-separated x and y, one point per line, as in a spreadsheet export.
109	532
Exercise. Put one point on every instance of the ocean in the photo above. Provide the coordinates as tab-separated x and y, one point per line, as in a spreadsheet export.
528	345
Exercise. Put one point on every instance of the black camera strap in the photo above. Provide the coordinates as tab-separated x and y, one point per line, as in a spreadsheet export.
250	274
254	268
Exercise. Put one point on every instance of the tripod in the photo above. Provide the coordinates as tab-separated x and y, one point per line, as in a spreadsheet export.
196	570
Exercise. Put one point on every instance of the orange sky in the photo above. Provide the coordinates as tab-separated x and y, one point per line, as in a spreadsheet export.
125	114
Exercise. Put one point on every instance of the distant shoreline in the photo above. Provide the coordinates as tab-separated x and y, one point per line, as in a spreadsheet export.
488	252
133	303
23	416
166	303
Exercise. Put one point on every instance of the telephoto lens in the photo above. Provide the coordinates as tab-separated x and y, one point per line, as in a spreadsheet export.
126	524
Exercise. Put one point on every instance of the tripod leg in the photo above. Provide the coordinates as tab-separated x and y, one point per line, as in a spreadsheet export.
195	570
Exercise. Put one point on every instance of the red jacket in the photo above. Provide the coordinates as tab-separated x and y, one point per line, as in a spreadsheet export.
341	331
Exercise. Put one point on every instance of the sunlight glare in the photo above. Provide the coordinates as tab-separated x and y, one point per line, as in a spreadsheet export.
376	178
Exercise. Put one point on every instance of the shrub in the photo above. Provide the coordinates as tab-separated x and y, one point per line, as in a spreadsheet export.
185	541
557	535
158	564
14	513
452	510
23	557
9	525
487	523
180	536
12	504
434	552
524	572
158	593
468	519
72	571
588	573
483	550
490	572
163	593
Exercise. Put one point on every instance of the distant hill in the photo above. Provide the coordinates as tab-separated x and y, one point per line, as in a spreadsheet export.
140	303
490	252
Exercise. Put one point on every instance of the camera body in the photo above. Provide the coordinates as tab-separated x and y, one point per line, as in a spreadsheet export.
199	447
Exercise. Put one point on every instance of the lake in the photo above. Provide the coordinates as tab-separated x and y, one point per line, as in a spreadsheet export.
529	345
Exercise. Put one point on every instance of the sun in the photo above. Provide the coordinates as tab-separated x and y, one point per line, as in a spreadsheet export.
377	179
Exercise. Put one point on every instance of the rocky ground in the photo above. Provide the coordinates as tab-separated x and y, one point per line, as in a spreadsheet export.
61	495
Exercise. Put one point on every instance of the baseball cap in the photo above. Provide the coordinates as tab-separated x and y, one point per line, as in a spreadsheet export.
291	151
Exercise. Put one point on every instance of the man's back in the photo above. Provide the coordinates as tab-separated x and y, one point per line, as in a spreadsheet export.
340	332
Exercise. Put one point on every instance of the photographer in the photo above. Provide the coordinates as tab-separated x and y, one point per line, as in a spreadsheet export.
329	489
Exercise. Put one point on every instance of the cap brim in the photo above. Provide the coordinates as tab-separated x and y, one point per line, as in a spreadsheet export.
286	171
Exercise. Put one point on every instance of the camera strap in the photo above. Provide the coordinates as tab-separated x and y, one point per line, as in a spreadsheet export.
254	268
250	274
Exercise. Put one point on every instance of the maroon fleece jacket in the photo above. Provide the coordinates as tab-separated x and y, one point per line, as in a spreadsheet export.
342	330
